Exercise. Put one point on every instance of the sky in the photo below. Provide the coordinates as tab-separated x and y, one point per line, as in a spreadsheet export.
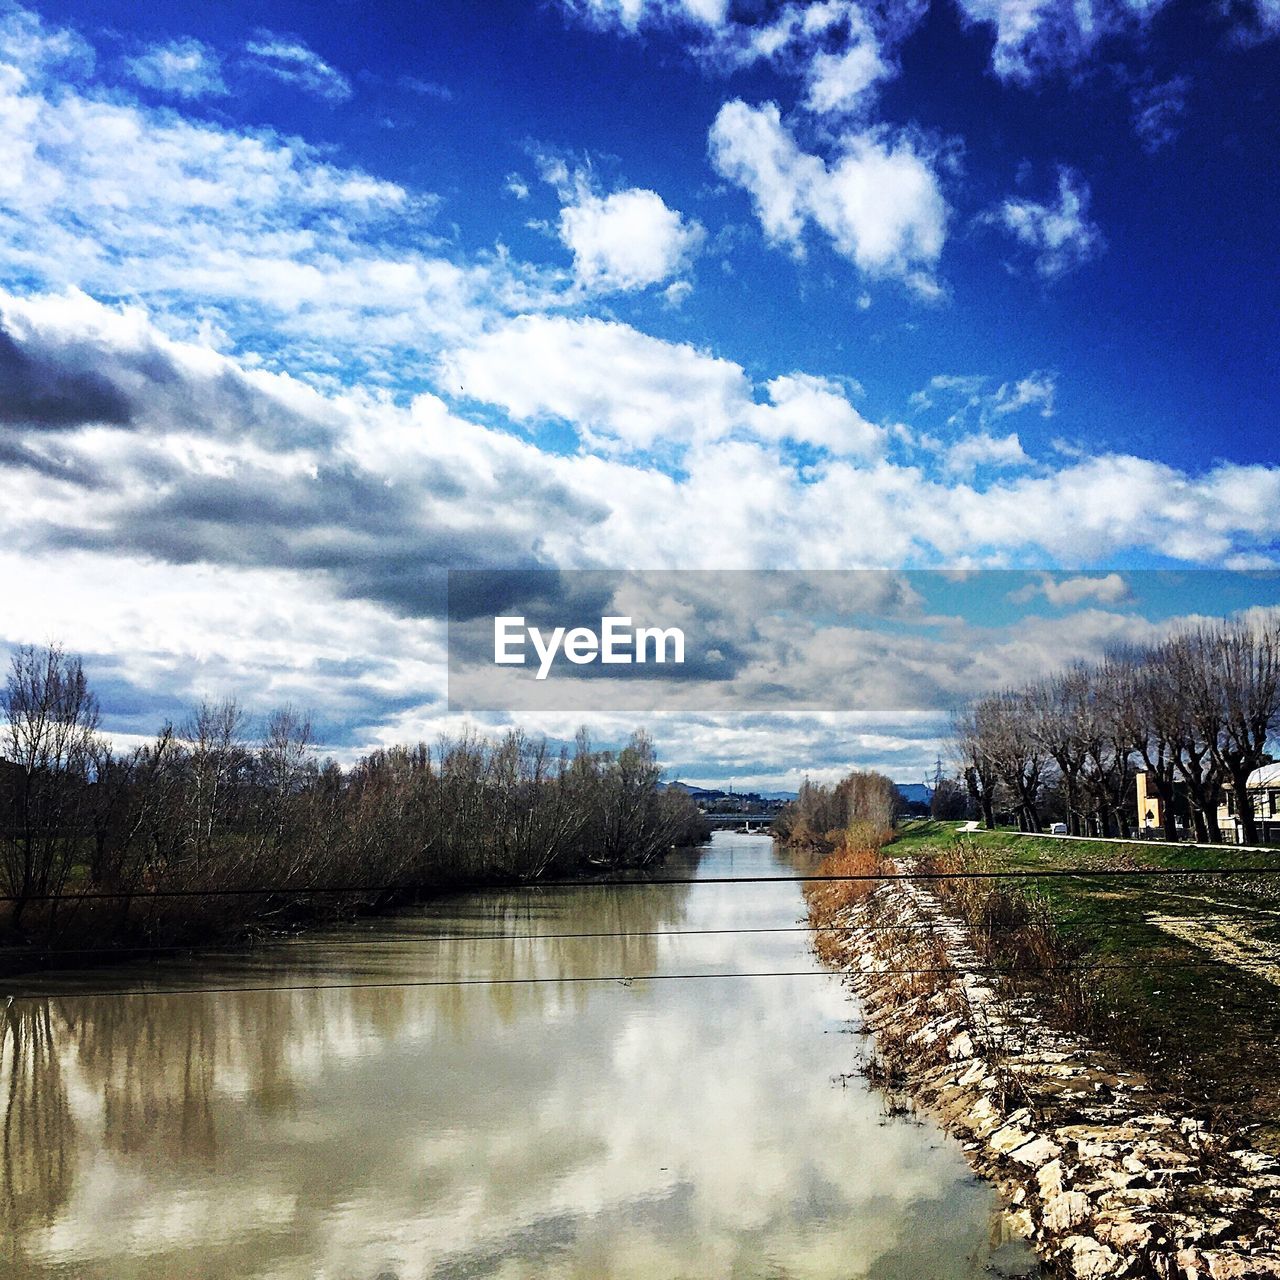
303	305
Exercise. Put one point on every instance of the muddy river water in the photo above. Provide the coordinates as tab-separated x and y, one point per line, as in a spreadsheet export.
441	1094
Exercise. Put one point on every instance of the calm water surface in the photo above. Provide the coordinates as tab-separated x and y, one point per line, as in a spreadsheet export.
657	1128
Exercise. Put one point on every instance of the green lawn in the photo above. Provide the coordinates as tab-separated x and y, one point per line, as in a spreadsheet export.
1179	964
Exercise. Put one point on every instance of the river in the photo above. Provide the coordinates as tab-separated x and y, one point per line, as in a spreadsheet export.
441	1094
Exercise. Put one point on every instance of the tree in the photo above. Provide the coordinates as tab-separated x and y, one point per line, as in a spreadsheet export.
1245	665
1060	721
970	747
50	744
1019	758
1187	662
216	754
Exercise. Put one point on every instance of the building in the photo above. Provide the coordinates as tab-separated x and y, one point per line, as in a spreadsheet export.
1264	794
1151	810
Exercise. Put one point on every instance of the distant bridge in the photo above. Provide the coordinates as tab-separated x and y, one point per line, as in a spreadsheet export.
740	821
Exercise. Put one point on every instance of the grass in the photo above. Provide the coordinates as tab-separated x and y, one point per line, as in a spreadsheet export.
1208	1031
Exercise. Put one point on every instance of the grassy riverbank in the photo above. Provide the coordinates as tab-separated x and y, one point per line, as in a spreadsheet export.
985	1011
1178	974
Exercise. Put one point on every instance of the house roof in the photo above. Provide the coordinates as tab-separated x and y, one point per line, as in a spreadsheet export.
1267	776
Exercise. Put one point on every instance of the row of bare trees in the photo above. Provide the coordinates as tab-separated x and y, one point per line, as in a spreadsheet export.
1196	712
210	826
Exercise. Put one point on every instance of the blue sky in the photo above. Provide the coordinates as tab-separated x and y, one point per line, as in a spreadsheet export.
303	305
1163	341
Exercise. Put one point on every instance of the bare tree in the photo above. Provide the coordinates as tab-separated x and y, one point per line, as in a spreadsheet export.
970	748
216	749
1061	722
1018	756
285	758
50	743
1245	665
1110	771
1187	662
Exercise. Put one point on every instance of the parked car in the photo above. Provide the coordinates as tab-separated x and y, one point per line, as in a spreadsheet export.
1057	828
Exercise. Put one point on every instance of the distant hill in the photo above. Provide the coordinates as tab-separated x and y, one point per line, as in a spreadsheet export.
914	792
710	793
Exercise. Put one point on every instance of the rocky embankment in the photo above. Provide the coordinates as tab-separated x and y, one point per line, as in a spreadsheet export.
1103	1176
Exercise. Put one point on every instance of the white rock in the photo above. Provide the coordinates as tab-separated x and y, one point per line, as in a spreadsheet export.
1091	1260
1066	1210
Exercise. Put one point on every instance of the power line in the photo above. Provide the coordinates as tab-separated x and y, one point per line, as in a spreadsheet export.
146	895
630	979
291	942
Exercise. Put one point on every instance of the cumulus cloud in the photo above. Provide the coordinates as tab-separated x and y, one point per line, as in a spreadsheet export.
841	51
811	410
242	506
625	390
878	200
833	48
1059	237
291	61
27	43
614	382
185	68
627	240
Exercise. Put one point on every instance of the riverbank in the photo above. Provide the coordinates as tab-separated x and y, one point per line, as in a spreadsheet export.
306	912
207	835
1105	1172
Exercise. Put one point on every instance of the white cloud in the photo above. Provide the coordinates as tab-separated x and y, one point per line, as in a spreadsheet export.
1158	109
630	15
183	68
627	240
1059	237
676	293
243	231
1035	36
201	460
877	199
839	82
26	42
831	46
614	382
1108	588
983	452
627	391
839	50
751	147
1035	391
290	60
969	398
816	411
